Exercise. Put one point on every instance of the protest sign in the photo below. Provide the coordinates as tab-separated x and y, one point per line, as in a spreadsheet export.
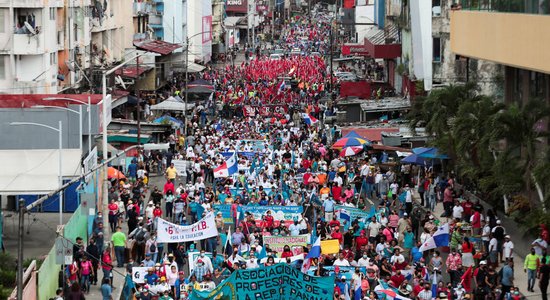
330	247
277	243
193	256
225	209
279	213
353	213
181	166
280	281
138	274
172	233
278	260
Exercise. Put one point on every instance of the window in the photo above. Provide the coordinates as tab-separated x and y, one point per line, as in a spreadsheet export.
3	19
53	58
3	67
60	37
436	49
53	12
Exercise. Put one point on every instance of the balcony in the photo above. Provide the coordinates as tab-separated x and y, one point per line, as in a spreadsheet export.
510	39
155	19
26	44
35	3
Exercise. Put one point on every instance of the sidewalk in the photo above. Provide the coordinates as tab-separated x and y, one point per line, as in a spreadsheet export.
520	276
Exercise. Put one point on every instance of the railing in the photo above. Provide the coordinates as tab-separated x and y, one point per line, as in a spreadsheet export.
512	6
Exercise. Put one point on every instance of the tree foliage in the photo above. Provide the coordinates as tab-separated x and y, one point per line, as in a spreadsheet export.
472	129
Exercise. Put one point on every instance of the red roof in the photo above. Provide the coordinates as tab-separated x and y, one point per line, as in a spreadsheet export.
372	134
30	100
156	46
131	71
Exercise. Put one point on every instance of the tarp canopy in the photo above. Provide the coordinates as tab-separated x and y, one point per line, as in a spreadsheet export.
172	104
200	86
168	119
35	172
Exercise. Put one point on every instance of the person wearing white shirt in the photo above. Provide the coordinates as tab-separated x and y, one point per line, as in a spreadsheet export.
341	261
380	248
294	228
206	260
539	245
508	248
364	260
397	257
485	234
252	262
457	211
338	180
493	252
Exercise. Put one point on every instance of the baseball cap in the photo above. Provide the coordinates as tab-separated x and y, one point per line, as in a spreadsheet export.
483	262
343	277
498	222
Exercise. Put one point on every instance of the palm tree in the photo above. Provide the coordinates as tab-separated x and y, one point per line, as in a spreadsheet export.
522	129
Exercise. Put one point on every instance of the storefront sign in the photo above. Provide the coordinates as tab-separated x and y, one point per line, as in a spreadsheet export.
239	6
355	49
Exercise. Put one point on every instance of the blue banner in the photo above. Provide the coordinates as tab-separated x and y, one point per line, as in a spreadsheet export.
279	213
280	281
225	209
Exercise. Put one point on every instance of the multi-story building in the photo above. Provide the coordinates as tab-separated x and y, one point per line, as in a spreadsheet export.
513	34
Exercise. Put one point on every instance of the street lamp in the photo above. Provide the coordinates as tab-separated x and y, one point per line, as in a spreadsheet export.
60	134
187	75
78	112
89	108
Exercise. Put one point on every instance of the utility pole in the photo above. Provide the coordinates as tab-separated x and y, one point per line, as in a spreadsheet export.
20	249
186	80
136	91
330	53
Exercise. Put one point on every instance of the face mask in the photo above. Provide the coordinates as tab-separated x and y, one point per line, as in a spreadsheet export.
434	255
202	254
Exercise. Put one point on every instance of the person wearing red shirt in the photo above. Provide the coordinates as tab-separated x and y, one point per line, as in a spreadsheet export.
307	176
476	223
306	163
169	186
157	212
398	278
286	252
334	222
113	213
336	234
269	221
467	206
361	240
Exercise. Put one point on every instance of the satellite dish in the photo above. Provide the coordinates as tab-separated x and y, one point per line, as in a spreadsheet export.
70	65
119	80
30	28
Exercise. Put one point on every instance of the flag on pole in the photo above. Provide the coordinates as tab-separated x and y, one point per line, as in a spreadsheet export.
439	239
228	247
434	286
309	119
228	168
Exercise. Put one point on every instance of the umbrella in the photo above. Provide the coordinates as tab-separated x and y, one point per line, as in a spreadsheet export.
350	151
351	139
413	159
114	173
430	152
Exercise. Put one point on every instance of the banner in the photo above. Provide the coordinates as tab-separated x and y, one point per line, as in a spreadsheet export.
279	213
172	233
277	243
280	281
264	111
354	213
330	247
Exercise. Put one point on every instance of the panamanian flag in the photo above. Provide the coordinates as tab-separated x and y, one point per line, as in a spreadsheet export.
309	119
228	168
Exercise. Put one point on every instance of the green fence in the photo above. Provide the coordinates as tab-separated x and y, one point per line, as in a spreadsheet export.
48	279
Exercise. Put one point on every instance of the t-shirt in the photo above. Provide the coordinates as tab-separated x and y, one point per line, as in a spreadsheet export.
86	267
171	173
508	248
374	227
106	291
118	239
457	212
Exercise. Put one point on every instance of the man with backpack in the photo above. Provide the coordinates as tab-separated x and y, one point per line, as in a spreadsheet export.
140	236
499	232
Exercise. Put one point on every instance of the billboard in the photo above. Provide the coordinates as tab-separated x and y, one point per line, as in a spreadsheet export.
239	6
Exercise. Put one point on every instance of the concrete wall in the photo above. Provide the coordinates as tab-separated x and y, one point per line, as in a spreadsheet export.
518	40
33	137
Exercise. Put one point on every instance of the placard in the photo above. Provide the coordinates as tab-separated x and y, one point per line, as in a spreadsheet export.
138	274
172	233
277	243
181	166
330	247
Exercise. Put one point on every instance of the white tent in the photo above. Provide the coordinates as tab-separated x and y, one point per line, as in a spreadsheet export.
36	171
172	104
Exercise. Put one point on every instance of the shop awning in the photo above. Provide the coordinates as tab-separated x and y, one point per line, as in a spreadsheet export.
132	71
383	43
35	172
231	21
128	138
156	46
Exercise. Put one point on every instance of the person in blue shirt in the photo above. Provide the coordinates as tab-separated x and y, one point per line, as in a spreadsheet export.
151	278
132	170
106	289
328	208
507	279
180	285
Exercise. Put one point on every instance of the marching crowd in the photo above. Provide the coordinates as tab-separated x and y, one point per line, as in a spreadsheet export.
290	160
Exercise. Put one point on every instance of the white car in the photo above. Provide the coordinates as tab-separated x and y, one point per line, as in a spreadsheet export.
345	76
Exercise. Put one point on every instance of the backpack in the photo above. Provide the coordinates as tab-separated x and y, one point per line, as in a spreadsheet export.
152	248
140	236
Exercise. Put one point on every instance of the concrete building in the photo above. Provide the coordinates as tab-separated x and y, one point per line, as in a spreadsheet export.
514	37
199	30
431	57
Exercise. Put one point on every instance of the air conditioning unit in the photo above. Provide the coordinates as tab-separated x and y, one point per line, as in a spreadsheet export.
436	11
